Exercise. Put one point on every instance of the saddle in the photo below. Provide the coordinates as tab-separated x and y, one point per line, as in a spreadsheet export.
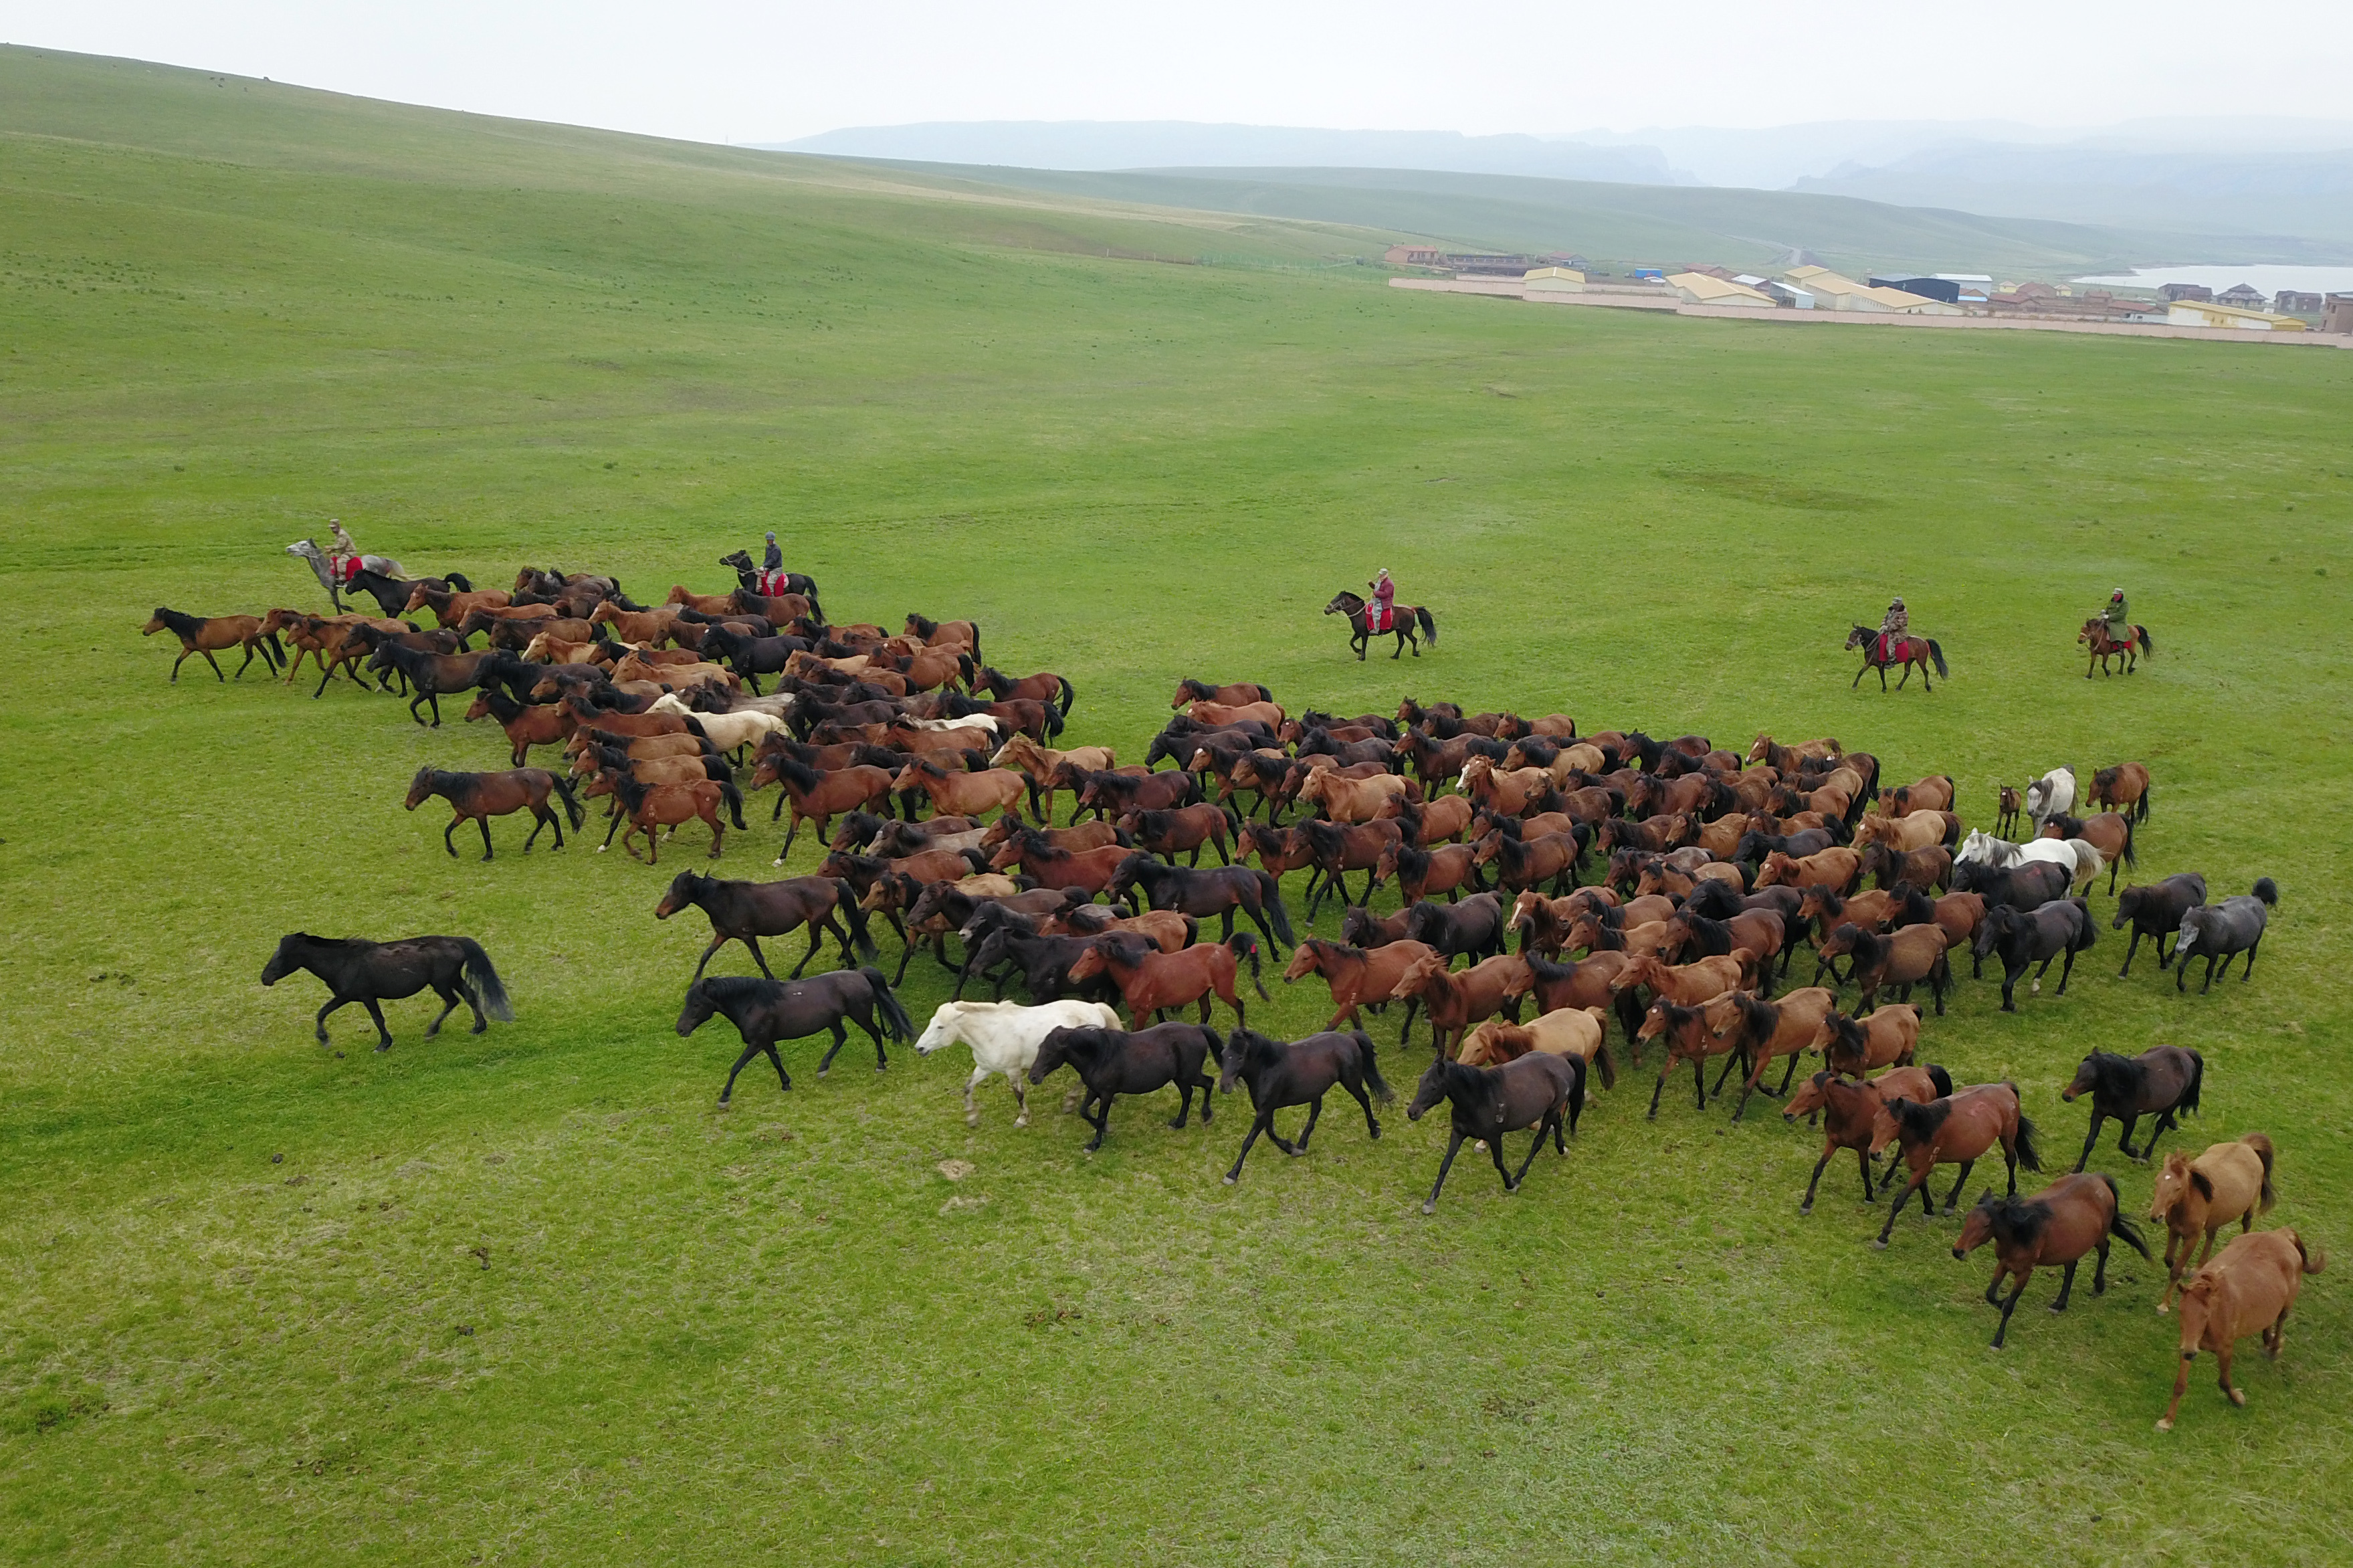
1377	617
772	584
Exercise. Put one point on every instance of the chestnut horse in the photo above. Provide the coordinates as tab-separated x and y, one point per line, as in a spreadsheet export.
1958	1130
2072	1216
479	797
2249	1289
1151	981
2199	1197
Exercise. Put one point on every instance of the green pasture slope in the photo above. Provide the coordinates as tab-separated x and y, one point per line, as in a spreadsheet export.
530	1297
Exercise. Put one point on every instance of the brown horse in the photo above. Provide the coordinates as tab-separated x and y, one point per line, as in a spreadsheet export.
1448	869
479	797
2006	821
1359	978
1905	957
942	633
1689	1039
451	605
1883	653
819	797
1840	870
645	807
2104	647
2057	1226
204	633
1786	759
1150	981
2123	788
2249	1289
1761	1030
1182	829
1854	1114
960	793
2199	1197
1088	870
527	724
1580	1032
1354	800
1191	691
1958	1130
1455	1002
1887	1037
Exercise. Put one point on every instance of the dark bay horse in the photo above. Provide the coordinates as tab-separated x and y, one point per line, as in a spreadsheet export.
1205	892
1906	652
2235	925
746	912
1113	1062
202	634
481	797
1536	1090
766	1011
1407	617
1299	1072
356	970
2106	646
2057	1226
2163	1081
2155	909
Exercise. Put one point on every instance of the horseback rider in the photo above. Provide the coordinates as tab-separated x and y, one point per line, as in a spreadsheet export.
1892	629
2119	620
1384	600
771	566
343	559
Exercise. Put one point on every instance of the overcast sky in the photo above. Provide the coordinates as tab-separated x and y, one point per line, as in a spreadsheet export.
734	70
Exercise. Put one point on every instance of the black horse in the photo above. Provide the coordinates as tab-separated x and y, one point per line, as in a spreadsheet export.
392	593
2154	910
1537	1090
1299	1072
1473	927
1113	1062
746	912
766	1011
1406	618
357	970
1203	893
750	657
748	577
2062	928
2162	1082
433	675
2025	886
2218	931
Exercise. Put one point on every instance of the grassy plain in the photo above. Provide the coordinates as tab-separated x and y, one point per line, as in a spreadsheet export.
529	1298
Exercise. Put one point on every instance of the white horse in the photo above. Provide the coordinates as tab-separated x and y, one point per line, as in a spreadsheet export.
2052	795
309	550
1004	1038
1983	848
725	730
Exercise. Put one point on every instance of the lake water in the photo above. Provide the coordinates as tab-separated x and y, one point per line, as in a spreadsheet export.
2269	280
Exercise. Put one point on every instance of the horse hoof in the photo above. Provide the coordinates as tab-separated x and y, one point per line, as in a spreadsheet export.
2162	1309
2237	1399
2164	1424
602	847
1431	1208
1880	1244
1231	1180
1805	1208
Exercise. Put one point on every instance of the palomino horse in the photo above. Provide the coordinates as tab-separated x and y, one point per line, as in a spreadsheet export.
2094	637
1405	619
1905	654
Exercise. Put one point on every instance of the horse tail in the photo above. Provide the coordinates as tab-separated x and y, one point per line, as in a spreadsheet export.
1069	695
895	1022
1428	627
2030	1153
2189	1101
694	727
571	802
735	799
1053	720
457	580
1263	694
2120	1227
1936	652
2268	892
1271	890
2148	645
2264	1151
1605	1064
846	898
1941	1078
484	979
2140	807
1245	945
2130	857
1372	1068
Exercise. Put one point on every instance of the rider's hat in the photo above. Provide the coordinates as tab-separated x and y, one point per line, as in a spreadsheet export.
772	534
2117	595
1898	602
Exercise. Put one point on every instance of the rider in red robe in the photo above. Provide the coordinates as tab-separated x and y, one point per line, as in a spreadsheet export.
1384	617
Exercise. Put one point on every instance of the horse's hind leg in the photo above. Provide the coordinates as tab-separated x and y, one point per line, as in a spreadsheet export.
539	819
450	996
840	1039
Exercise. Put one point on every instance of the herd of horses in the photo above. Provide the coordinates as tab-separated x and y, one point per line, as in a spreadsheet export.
1567	900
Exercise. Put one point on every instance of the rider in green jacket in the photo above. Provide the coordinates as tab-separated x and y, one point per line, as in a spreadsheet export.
2119	620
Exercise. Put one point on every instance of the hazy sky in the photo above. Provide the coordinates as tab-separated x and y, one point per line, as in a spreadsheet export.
734	70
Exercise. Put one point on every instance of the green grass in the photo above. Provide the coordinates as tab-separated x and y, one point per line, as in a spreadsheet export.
529	1297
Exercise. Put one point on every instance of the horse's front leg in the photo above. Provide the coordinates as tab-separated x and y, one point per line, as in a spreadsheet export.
384	1035
1454	1146
319	1023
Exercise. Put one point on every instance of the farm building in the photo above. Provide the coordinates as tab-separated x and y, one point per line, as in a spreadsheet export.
1413	255
2337	313
2170	292
1943	288
2214	313
2295	302
2241	295
1699	288
1554	280
1834	292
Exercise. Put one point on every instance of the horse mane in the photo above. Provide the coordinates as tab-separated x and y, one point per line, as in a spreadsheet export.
1915	1122
2016	1221
2113	1076
735	987
1759	1017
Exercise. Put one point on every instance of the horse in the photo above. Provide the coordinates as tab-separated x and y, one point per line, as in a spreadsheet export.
747	577
1688	1039
2072	1216
481	797
1448	869
2063	927
936	633
2235	925
1005	1037
1456	1001
1186	827
2154	910
1904	957
1279	1073
323	569
2029	886
203	633
2163	1081
2006	819
961	793
645	807
1958	1130
746	912
432	675
1854	1114
1886	1036
357	970
1203	893
1906	652
1473	927
1537	1090
1403	619
1190	691
2249	1289
1761	1030
2052	795
2199	1197
766	1011
2083	861
820	797
1113	1062
1151	981
2109	832
2105	646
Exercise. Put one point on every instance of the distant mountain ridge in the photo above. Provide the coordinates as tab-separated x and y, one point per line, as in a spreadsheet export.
1103	145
